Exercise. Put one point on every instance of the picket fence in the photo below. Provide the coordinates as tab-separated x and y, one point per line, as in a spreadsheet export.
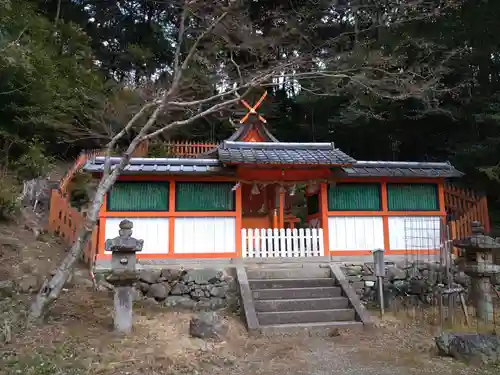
282	243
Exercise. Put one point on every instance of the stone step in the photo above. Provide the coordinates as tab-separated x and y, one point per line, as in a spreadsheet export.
305	316
301	304
290	283
295	293
318	328
288	273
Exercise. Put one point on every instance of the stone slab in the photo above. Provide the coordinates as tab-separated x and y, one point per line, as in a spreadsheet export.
305	316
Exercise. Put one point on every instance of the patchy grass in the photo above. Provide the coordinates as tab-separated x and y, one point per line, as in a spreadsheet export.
62	359
436	320
21	254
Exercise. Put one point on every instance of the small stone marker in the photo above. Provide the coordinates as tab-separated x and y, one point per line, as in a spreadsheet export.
123	274
379	265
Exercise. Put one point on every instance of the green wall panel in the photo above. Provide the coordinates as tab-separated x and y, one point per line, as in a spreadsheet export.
204	196
138	196
412	197
354	197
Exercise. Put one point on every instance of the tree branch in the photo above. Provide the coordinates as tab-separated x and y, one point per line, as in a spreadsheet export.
199	115
125	130
180	39
192	51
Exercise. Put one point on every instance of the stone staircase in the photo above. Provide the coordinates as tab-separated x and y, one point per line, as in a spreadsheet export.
288	300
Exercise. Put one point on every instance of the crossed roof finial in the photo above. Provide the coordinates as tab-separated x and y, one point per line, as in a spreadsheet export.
253	110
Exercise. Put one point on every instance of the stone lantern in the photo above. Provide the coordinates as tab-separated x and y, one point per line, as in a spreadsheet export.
476	260
123	273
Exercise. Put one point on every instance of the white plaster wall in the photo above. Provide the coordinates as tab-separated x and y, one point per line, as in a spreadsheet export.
355	233
414	232
194	235
154	232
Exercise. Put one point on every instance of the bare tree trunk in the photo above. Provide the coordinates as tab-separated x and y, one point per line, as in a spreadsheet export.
50	290
58	13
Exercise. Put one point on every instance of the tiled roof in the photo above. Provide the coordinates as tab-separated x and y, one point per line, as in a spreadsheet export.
285	154
401	169
159	165
282	153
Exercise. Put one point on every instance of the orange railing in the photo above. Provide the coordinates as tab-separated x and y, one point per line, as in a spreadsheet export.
65	221
179	149
76	167
186	149
465	206
142	150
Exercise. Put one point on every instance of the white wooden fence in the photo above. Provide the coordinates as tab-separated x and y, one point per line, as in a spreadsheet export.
282	243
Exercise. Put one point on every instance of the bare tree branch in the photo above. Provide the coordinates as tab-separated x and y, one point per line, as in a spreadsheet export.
191	53
199	115
180	39
110	146
11	43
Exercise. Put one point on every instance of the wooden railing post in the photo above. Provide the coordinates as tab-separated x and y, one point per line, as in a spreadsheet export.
465	206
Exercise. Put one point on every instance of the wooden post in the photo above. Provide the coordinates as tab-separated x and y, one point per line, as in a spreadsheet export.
385	217
323	209
281	208
239	222
453	236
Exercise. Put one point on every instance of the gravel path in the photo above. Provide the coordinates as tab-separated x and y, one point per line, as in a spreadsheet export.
322	358
378	353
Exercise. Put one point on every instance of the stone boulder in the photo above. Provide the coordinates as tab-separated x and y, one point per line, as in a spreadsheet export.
395	273
7	288
159	291
149	276
219	291
172	274
208	325
203	276
179	289
475	348
143	287
29	284
353	270
182	302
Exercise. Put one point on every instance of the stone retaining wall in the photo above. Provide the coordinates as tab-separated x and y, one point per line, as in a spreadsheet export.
200	289
418	280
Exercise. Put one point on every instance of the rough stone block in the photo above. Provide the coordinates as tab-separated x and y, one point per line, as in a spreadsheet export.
159	291
203	276
149	276
208	325
184	302
470	347
172	274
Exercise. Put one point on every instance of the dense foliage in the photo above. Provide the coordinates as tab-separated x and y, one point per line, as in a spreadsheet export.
423	76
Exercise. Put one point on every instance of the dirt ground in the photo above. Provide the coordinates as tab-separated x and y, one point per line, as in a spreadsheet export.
77	337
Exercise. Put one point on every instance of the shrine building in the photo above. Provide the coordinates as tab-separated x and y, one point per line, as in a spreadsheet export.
240	200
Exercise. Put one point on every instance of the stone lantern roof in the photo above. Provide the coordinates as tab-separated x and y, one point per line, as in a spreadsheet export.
478	241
